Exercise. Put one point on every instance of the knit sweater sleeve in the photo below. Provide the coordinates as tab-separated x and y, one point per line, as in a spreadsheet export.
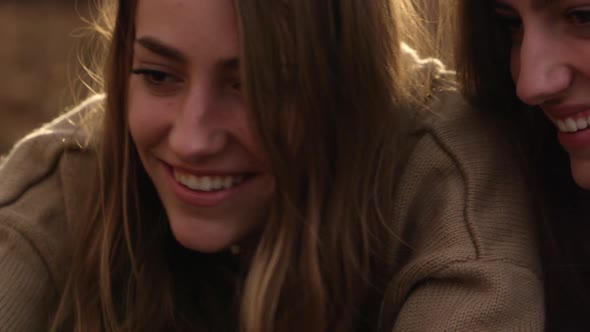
470	259
474	295
40	193
32	233
27	292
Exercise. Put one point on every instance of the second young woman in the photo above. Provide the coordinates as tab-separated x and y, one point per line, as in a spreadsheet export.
527	62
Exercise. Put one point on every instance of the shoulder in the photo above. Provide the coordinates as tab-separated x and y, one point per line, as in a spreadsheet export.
465	170
33	157
472	137
42	179
43	171
468	255
37	157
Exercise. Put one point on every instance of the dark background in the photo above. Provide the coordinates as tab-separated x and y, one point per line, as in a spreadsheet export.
38	63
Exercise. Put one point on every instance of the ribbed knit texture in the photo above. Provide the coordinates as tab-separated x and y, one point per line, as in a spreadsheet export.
465	213
40	184
469	265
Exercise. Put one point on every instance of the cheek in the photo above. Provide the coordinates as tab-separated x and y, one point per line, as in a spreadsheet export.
580	57
146	119
246	134
238	124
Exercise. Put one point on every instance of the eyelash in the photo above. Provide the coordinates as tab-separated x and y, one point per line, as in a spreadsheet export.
580	16
156	78
163	82
511	24
236	86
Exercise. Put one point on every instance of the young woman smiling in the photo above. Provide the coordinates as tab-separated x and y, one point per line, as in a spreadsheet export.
527	62
266	166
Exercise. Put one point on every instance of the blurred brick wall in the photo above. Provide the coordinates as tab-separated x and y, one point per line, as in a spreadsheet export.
38	63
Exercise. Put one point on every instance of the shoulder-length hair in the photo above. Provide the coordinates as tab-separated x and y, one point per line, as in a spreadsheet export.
335	65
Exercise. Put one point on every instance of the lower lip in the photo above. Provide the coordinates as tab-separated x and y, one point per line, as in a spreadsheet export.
203	198
575	141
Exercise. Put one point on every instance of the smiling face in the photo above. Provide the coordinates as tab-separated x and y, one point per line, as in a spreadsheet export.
551	68
188	120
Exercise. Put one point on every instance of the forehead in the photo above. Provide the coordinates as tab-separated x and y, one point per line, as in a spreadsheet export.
190	25
529	4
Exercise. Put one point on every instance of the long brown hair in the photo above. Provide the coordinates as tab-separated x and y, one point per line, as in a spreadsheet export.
318	265
483	68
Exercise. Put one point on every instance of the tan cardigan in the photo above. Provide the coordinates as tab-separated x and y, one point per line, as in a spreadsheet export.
462	209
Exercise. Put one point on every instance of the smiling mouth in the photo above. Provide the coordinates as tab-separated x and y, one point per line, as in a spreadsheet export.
209	183
572	125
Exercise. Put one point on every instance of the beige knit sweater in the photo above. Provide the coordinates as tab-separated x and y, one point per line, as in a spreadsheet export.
462	207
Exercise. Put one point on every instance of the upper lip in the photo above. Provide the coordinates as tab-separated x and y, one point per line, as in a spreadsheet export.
564	111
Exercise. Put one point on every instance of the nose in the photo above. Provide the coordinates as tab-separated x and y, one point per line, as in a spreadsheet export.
539	66
198	131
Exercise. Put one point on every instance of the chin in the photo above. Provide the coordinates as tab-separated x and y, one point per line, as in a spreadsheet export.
205	238
207	245
583	183
580	168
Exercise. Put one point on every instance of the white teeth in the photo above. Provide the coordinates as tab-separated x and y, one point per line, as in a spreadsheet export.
207	183
227	182
561	126
216	182
571	125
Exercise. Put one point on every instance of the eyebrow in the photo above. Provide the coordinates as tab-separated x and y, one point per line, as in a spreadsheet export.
161	49
154	45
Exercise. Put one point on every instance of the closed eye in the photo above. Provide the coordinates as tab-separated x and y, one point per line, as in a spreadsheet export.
237	86
579	16
507	17
511	23
155	77
159	82
508	21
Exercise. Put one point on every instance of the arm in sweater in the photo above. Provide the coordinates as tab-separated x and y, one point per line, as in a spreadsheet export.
27	293
471	263
32	234
41	186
